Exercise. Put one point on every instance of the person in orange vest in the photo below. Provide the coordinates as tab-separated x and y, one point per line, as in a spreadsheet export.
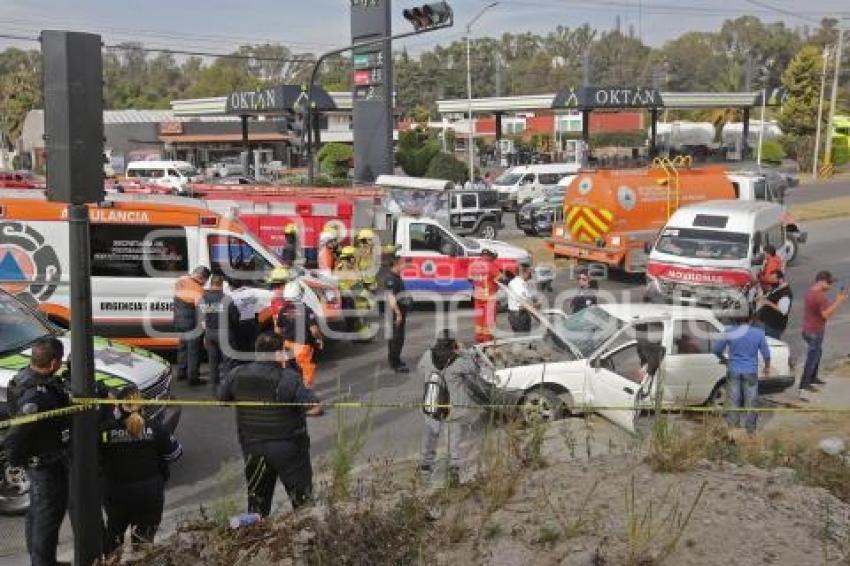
327	252
772	263
188	291
485	276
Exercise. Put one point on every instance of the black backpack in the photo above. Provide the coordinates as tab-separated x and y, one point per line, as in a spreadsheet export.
435	397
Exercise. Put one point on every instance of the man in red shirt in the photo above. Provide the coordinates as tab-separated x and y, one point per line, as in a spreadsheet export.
817	310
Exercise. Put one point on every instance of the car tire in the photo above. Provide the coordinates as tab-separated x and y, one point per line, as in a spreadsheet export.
542	404
795	249
487	230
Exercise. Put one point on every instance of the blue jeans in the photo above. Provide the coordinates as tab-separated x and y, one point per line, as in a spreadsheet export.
813	355
743	392
48	503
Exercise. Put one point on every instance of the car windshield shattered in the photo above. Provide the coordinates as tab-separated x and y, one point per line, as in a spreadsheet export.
18	327
703	244
508	179
586	330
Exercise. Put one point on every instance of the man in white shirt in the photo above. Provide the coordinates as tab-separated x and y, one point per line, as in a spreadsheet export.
520	295
248	301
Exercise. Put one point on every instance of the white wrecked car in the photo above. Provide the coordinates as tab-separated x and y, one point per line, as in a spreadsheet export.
596	361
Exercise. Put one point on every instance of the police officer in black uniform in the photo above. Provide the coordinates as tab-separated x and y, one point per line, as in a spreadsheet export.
135	454
397	304
221	320
42	446
274	440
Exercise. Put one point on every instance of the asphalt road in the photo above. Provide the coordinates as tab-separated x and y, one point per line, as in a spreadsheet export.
821	190
209	467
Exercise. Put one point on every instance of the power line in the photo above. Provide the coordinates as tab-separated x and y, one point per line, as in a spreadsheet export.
779	10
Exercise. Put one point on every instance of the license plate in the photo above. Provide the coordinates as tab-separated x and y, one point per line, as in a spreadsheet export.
467	218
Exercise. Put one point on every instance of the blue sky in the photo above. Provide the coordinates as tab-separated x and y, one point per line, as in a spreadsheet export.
317	25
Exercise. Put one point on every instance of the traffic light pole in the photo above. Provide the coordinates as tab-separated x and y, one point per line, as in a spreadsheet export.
309	121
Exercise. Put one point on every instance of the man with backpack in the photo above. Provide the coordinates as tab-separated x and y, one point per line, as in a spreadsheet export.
446	370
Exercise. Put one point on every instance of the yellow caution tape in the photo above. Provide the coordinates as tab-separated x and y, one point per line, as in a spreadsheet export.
35	417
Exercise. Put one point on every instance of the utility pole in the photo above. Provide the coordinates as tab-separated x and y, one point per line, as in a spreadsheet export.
820	112
829	128
471	131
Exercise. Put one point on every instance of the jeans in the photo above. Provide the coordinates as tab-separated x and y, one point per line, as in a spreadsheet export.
188	357
396	342
743	392
217	360
458	433
137	505
268	461
48	504
813	355
520	320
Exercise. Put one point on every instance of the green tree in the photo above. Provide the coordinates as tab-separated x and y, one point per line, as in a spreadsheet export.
335	160
416	148
20	89
449	167
798	118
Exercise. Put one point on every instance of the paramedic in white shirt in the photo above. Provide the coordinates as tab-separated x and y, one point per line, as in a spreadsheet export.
520	294
248	301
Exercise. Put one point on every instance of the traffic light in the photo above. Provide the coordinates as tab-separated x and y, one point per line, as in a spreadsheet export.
429	16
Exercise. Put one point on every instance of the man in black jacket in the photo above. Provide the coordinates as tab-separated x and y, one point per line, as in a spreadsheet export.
275	443
775	305
41	447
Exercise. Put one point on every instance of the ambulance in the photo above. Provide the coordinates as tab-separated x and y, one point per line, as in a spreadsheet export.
612	217
139	245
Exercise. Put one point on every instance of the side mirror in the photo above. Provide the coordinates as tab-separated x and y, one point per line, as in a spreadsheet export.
758	259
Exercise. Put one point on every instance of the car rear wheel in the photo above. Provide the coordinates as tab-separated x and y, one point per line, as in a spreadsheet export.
487	230
543	405
793	249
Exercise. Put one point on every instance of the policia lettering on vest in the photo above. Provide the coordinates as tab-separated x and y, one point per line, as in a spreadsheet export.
274	440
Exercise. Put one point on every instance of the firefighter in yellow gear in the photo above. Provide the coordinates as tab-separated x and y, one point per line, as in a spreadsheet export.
356	296
365	258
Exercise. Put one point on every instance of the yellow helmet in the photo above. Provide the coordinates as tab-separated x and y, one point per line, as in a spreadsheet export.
290	228
365	234
389	249
332	228
279	275
347	251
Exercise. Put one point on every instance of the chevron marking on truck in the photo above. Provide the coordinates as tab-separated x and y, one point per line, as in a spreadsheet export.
587	224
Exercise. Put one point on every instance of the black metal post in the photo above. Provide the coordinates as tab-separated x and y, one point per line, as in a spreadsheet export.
321	59
653	132
246	144
585	126
85	488
745	135
499	139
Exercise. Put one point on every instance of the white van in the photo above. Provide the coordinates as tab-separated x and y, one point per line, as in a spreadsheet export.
520	185
175	175
710	254
139	245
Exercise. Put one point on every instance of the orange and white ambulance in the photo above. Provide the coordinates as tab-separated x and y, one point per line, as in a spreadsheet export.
139	244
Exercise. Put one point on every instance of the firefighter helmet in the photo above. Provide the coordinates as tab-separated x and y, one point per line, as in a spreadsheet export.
279	275
365	234
291	229
347	251
326	237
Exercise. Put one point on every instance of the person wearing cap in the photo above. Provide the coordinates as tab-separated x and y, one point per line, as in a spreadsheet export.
289	252
818	309
775	305
274	440
134	454
277	280
485	275
188	291
520	297
327	252
447	358
299	327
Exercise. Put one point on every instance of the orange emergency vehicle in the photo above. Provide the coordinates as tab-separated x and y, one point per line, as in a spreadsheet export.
139	245
611	216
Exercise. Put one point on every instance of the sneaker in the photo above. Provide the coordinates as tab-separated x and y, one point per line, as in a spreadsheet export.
809	388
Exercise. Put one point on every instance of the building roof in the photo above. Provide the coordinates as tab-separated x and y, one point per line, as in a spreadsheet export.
223	138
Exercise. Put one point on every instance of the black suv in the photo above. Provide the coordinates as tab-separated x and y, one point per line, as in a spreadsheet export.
476	213
538	218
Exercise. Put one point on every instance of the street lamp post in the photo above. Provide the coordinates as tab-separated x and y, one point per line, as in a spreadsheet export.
839	51
471	130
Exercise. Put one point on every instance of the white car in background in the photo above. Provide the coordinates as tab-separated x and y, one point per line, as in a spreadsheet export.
597	361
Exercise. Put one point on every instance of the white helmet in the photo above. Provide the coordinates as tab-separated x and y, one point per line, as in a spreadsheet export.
292	291
326	237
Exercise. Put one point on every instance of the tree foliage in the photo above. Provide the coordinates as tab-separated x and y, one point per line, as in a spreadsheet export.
449	167
416	148
335	159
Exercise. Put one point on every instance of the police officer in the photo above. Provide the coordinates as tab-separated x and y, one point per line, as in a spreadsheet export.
41	447
397	303
220	318
274	440
188	290
135	454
